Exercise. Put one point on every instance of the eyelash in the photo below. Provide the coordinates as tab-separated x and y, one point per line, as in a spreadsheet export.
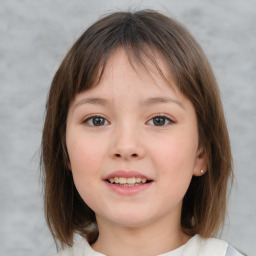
91	117
164	117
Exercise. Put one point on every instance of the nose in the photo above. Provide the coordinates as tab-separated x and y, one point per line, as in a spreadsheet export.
127	144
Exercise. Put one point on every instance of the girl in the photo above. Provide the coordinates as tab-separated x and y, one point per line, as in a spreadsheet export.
135	148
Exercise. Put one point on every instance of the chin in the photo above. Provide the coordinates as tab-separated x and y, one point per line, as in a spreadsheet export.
131	221
127	216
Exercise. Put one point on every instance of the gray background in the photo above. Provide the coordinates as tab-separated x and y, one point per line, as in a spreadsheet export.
34	37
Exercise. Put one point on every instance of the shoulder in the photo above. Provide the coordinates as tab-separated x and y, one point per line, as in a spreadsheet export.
231	251
66	252
80	248
74	250
199	246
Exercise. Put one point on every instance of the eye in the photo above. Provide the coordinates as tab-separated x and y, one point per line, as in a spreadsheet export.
96	121
160	120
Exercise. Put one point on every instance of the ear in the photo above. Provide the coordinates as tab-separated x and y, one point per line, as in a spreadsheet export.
66	157
200	167
69	166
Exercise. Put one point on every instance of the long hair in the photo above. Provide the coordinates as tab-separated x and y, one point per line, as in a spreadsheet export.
141	34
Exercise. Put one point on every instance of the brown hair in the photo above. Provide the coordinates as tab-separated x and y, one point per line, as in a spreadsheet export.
141	35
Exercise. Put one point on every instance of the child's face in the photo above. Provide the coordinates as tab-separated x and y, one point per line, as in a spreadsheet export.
128	140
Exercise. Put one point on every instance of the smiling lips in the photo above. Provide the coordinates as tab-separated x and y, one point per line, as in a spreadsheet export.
127	179
122	181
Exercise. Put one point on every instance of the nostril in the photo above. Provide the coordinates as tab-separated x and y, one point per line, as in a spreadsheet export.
132	155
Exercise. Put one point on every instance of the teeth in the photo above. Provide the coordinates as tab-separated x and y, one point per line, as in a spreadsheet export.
122	180
138	180
131	180
127	181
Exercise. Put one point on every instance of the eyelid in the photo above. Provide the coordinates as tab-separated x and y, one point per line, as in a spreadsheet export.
87	118
162	115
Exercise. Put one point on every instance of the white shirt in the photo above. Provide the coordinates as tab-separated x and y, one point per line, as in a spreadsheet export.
196	246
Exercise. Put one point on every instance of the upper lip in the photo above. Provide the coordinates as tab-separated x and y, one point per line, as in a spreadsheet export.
126	174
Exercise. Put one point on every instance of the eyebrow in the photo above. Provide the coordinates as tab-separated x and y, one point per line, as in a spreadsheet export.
157	100
145	103
94	101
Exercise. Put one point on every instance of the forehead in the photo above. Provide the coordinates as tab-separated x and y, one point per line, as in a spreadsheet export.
126	71
126	80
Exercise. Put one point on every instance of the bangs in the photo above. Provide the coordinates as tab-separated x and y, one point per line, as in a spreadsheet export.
141	44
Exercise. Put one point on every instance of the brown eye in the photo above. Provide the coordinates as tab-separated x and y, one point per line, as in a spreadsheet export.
96	121
160	121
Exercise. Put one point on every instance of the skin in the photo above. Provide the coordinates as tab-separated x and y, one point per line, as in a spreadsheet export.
128	139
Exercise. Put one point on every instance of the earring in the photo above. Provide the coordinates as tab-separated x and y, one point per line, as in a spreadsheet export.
202	171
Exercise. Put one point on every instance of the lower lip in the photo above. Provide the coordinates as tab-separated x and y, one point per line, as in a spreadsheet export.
128	190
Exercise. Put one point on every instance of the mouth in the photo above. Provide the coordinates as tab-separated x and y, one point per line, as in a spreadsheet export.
128	182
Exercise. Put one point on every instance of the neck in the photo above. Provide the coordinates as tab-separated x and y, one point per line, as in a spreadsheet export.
115	240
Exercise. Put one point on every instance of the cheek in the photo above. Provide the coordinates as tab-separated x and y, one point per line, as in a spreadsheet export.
174	158
83	153
175	151
84	161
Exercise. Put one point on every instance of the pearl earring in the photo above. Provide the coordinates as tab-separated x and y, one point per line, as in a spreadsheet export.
202	171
